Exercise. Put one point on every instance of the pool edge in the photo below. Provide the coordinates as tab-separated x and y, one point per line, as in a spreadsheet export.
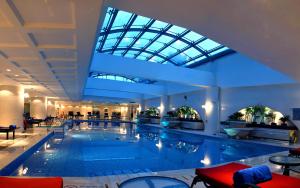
12	165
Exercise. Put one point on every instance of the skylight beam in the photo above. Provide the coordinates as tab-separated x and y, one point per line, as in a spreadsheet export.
115	12
139	36
169	44
154	39
192	44
134	49
211	58
196	57
127	27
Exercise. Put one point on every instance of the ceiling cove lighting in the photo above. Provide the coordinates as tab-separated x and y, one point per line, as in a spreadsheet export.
120	78
133	36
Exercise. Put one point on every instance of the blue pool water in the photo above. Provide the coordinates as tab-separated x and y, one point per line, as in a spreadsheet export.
106	149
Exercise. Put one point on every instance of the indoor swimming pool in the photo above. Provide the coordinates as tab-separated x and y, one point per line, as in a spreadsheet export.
110	149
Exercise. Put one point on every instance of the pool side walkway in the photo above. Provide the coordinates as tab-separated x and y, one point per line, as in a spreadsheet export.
10	149
185	175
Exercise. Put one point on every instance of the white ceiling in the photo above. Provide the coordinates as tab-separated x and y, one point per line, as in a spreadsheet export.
47	44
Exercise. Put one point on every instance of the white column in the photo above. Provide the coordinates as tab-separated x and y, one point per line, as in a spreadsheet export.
164	105
38	107
142	105
212	112
12	105
51	111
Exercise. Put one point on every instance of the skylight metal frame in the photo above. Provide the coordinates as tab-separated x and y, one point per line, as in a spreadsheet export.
130	80
164	31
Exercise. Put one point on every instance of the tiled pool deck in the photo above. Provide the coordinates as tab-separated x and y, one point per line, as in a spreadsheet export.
10	149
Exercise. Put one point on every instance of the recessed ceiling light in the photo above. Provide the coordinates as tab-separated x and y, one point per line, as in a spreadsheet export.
16	75
8	70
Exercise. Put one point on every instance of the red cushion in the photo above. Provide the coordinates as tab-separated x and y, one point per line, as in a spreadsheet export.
53	182
281	181
220	176
295	151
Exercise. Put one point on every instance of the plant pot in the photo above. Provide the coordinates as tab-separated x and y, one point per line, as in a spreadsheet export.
143	120
155	121
195	125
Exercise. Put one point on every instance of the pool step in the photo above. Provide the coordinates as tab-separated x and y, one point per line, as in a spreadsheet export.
129	171
58	130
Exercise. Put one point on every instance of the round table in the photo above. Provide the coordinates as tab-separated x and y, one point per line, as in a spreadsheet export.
286	162
153	182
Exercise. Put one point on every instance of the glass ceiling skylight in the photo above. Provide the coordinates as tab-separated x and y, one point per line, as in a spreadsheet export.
120	78
130	35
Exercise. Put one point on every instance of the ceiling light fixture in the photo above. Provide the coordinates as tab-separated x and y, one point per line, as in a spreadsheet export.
8	70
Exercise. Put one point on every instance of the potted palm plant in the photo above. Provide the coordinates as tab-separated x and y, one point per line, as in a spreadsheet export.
248	114
284	120
189	118
258	113
270	118
237	116
170	120
153	114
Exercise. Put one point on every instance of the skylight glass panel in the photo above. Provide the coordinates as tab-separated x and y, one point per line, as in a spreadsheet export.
156	59
144	56
155	46
168	51
141	57
109	43
148	35
192	36
196	60
114	35
148	39
208	45
179	45
140	21
107	18
176	30
132	34
98	44
121	19
218	51
131	53
125	42
192	52
120	78
180	58
159	25
140	43
164	39
119	52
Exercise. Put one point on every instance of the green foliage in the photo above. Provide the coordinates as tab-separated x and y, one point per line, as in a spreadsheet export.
271	116
172	114
259	110
187	112
237	116
285	119
151	112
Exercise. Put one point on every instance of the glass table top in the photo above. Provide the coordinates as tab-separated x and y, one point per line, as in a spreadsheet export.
285	160
153	182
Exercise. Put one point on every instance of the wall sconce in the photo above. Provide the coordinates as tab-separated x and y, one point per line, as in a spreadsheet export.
26	95
208	107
